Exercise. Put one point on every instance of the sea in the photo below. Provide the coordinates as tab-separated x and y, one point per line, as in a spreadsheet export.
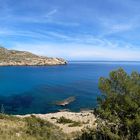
36	89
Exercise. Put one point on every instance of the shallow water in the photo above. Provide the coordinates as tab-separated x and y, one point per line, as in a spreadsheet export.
35	89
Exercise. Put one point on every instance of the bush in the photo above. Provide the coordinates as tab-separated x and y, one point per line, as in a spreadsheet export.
64	120
71	123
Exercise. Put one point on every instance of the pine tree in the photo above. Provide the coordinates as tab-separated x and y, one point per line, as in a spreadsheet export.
118	110
119	106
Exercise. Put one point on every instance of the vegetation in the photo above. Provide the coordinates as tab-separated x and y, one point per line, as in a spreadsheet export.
64	120
118	110
71	123
29	128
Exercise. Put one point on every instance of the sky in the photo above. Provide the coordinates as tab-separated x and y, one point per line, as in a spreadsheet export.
73	29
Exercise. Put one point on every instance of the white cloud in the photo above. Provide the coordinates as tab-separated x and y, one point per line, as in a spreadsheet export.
74	47
121	27
80	52
51	13
117	26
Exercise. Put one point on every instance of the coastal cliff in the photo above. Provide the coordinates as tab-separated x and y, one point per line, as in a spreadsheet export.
23	58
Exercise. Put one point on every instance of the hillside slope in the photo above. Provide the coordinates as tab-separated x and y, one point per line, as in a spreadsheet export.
23	58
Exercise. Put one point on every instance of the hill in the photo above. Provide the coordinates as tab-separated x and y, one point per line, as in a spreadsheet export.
23	58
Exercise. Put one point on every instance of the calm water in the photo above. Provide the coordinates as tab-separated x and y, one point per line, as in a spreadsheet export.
35	89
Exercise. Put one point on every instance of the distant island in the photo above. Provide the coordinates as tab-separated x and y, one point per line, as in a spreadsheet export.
24	58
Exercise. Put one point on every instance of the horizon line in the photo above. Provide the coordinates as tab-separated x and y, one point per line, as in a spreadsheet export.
103	60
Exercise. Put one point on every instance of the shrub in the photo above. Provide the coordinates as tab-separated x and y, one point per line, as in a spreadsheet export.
71	123
64	120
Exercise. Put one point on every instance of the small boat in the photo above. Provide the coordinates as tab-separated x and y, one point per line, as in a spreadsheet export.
66	101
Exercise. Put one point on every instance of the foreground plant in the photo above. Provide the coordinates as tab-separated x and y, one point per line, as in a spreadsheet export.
29	128
118	110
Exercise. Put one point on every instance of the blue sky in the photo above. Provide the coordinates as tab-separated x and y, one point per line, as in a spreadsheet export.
72	29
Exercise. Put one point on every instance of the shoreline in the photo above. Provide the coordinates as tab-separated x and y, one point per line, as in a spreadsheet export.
49	65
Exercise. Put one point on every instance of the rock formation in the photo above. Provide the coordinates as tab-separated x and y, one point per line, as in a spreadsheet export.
23	58
66	101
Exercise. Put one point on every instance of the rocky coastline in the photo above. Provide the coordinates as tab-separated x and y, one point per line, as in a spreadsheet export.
23	58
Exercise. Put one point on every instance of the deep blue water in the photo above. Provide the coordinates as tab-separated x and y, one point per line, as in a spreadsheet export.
35	89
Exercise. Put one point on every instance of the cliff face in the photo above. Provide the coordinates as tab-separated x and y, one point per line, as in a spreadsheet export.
23	58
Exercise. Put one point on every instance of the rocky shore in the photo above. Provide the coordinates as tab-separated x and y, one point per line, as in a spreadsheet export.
71	122
23	58
65	101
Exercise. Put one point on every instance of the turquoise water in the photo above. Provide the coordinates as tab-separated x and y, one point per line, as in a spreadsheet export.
35	89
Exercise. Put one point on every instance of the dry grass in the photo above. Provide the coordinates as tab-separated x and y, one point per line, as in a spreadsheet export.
30	128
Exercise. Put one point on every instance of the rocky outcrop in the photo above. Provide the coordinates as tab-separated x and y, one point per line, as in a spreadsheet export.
23	58
66	101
